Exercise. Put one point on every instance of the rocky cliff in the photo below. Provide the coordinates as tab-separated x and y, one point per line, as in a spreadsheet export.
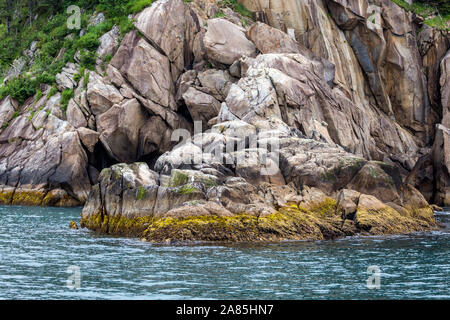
299	120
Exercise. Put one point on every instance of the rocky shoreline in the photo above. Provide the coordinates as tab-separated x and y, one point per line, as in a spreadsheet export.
209	124
128	201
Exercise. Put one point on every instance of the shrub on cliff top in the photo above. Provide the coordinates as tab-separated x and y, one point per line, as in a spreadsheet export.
435	12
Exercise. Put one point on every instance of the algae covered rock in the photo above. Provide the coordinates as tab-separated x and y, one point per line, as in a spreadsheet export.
190	205
73	225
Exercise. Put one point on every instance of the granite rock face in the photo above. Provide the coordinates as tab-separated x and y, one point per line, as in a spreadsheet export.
441	148
384	65
226	42
43	161
317	121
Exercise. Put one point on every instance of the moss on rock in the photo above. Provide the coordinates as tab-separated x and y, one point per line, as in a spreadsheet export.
389	221
116	225
141	193
6	196
59	198
28	197
292	222
288	223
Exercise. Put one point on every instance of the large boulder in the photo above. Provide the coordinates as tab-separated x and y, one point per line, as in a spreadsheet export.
7	109
146	69
119	129
65	79
164	25
109	43
216	83
271	40
226	42
202	106
101	95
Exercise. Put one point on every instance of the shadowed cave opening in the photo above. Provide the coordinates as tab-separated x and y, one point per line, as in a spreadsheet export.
150	159
101	159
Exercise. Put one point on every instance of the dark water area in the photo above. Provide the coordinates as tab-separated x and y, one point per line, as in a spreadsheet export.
41	258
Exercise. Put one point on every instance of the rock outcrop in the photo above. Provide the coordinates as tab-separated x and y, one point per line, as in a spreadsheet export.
441	149
318	121
43	161
226	42
380	42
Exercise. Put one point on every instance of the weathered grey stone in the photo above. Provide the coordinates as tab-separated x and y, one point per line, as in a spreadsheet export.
164	24
226	42
7	110
101	96
65	79
109	43
88	137
202	106
146	69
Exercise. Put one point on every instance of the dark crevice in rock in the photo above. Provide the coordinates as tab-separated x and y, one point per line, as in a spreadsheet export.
150	159
101	158
184	111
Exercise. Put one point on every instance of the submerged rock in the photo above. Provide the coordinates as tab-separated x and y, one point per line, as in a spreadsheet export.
73	225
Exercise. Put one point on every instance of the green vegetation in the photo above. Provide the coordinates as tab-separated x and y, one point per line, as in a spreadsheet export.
138	5
435	12
439	23
237	7
142	192
188	189
178	179
66	95
86	79
44	24
220	14
38	95
52	92
20	88
77	77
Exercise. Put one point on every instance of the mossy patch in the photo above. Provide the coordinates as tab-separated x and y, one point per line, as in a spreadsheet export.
28	197
320	222
178	179
288	223
116	225
389	221
141	193
73	225
346	169
55	199
6	197
325	208
188	189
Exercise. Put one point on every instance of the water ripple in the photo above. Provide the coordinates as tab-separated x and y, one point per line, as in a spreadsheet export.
36	248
